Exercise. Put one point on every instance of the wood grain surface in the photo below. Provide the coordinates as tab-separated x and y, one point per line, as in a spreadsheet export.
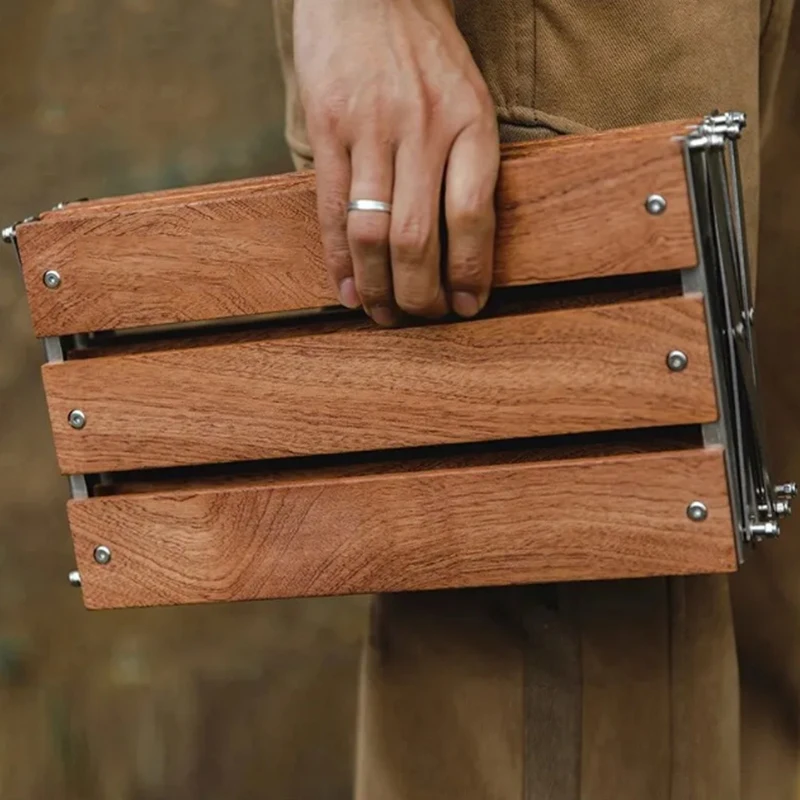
555	372
567	209
583	519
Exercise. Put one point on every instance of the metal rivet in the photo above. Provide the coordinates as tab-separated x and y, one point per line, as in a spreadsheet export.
655	204
764	530
677	360
697	511
75	578
102	555
52	279
77	419
783	508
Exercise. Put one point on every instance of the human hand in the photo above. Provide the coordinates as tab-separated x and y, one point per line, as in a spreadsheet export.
398	112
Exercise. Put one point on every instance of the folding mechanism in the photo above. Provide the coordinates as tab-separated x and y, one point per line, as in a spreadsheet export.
231	434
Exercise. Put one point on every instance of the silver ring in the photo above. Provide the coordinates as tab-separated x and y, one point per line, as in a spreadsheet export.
369	205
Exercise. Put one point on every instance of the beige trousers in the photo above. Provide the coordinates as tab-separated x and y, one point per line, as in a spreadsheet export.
597	691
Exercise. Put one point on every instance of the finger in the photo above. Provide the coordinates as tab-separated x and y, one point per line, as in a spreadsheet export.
472	170
415	241
372	168
333	185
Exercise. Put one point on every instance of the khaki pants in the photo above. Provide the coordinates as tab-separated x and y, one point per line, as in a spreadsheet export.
616	690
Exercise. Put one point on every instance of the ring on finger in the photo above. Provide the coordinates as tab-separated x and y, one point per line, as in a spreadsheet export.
369	205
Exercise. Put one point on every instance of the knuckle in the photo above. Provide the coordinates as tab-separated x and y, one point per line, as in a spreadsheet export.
411	241
470	215
368	234
468	271
324	111
473	105
337	260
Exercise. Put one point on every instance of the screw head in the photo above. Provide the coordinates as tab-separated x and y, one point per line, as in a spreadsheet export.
75	579
102	555
52	279
655	204
783	508
677	360
697	511
786	490
77	419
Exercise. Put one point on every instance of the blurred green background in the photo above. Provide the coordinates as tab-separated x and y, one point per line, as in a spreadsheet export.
254	700
245	701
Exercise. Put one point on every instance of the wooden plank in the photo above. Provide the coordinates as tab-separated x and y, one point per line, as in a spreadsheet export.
581	519
288	394
571	208
181	194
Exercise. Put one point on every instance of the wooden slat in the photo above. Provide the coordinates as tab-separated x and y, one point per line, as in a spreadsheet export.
584	519
572	208
556	372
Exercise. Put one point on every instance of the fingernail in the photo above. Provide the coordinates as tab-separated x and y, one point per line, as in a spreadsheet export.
465	304
348	296
383	315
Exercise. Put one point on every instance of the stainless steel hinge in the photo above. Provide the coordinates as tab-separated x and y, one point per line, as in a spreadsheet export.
9	233
723	276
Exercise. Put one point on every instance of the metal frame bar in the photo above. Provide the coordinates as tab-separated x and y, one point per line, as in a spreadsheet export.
722	276
54	354
696	280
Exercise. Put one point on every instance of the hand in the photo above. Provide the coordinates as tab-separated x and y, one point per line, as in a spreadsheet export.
397	111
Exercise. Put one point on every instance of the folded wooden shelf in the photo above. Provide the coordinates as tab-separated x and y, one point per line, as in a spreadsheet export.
231	435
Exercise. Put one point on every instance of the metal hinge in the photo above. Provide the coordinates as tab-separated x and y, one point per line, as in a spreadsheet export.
9	233
723	275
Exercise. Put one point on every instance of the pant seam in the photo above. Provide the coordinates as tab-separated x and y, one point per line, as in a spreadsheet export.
535	52
578	633
525	714
767	20
515	81
671	682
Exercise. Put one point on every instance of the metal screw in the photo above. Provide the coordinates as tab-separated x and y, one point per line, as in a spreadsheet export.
783	508
655	204
8	234
75	579
764	530
77	419
677	360
786	490
102	555
697	511
52	279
